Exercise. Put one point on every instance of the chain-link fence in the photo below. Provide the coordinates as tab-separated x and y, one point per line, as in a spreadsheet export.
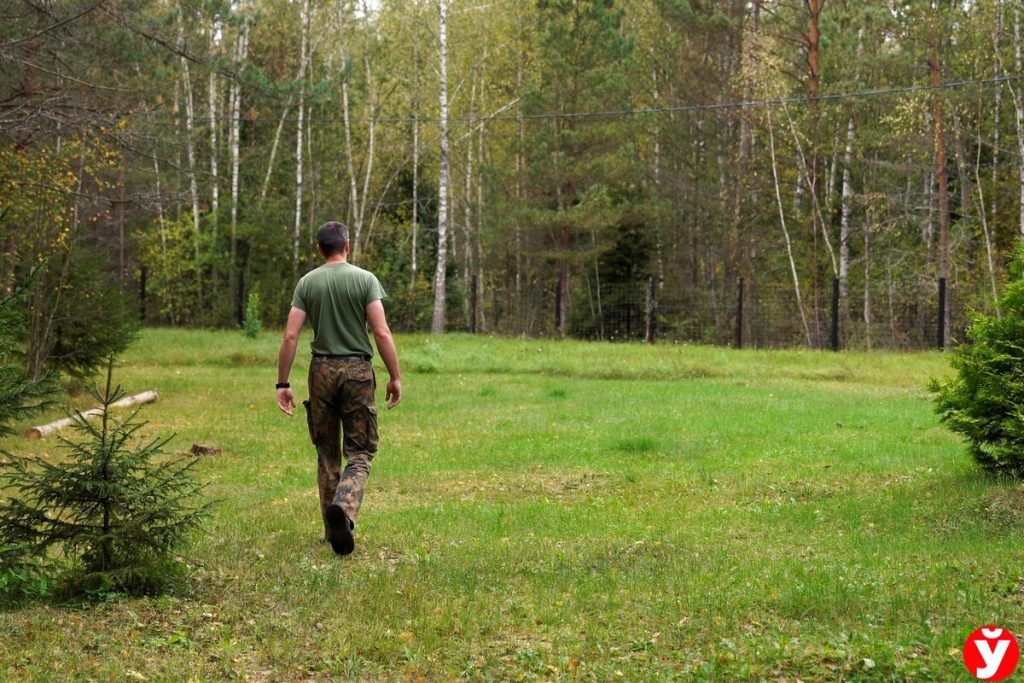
915	314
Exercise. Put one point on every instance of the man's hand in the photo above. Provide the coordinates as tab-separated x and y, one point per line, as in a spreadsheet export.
286	400
394	393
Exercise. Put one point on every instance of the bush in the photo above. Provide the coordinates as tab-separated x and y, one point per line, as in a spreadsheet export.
253	323
115	508
984	400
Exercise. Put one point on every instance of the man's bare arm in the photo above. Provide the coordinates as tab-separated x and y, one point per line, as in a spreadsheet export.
286	356
386	347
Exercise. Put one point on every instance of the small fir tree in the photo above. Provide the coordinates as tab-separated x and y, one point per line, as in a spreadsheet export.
115	507
253	323
984	401
20	396
21	574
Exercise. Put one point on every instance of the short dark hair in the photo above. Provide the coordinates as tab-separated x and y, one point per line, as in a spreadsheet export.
332	238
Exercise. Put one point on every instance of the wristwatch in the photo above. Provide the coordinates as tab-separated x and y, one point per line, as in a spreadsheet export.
283	385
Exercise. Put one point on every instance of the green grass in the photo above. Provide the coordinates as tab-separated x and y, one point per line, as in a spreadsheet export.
548	510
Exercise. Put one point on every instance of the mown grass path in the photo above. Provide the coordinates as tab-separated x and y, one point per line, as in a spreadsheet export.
550	510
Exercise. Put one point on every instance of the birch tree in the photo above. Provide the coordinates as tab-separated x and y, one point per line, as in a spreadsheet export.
303	61
444	174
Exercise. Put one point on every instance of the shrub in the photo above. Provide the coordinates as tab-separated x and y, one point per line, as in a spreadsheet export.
116	509
253	323
984	400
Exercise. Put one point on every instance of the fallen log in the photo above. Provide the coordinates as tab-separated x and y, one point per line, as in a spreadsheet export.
45	430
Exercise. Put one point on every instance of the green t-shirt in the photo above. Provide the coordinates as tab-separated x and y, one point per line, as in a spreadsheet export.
334	297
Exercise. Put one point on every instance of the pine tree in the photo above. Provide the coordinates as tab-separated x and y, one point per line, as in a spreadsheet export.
114	507
579	163
983	400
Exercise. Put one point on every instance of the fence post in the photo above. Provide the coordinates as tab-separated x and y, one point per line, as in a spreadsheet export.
738	338
652	304
835	314
942	314
472	305
142	294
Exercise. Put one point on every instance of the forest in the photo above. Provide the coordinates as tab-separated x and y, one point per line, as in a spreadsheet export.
607	169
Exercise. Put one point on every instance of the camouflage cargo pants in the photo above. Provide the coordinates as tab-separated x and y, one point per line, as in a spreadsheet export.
342	418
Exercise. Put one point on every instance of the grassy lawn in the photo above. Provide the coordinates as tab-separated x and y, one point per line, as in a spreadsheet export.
550	510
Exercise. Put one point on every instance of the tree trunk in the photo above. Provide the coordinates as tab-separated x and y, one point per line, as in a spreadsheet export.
1018	105
444	178
242	49
415	157
985	227
847	213
942	179
273	148
212	114
519	195
190	144
372	125
354	209
478	291
997	133
468	265
785	231
867	281
303	61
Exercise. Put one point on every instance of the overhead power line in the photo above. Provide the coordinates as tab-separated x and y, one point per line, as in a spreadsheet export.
684	108
748	104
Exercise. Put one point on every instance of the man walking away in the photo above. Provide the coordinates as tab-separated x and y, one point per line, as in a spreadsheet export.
339	299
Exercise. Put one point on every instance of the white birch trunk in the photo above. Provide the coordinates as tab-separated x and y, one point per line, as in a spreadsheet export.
467	202
847	213
415	158
997	133
190	147
867	281
361	216
353	205
480	226
520	163
444	178
1018	106
785	231
273	148
415	187
160	208
985	227
806	174
303	60
236	134
214	179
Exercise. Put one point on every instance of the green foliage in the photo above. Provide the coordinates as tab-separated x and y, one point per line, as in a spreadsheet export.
113	506
253	323
983	401
22	574
80	317
181	267
19	395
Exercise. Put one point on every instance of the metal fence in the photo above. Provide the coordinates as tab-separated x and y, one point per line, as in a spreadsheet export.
909	314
